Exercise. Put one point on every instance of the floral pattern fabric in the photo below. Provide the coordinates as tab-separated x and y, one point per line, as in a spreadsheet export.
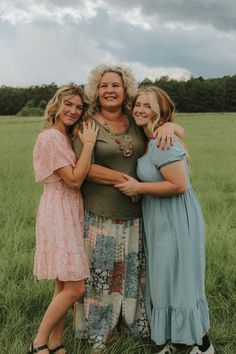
59	224
114	290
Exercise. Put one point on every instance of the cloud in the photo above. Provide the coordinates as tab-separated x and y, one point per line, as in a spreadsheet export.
141	72
61	41
50	57
17	12
217	13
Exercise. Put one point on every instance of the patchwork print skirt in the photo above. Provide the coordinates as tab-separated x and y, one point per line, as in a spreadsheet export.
115	289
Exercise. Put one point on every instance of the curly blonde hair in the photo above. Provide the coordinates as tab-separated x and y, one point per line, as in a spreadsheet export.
55	105
129	82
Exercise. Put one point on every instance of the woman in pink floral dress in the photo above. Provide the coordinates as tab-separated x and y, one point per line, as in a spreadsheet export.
59	237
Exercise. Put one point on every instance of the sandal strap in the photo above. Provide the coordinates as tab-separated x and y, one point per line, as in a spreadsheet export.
38	349
61	346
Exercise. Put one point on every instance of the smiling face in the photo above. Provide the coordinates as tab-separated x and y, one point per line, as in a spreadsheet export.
111	91
71	110
142	111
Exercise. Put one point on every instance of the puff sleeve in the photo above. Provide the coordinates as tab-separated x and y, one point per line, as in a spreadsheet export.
50	153
165	157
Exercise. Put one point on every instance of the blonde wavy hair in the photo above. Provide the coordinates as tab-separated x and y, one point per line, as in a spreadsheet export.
55	106
161	104
91	88
163	108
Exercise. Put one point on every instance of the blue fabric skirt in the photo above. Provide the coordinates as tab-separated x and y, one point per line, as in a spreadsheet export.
176	301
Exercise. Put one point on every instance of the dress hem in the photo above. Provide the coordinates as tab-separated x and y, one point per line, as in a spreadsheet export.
182	325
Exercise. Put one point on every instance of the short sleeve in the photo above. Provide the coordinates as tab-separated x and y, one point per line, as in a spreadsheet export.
165	157
50	153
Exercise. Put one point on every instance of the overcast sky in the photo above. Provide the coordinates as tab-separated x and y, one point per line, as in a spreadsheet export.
61	41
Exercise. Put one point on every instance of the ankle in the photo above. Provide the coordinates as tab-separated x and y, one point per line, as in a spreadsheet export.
54	343
36	346
55	339
38	342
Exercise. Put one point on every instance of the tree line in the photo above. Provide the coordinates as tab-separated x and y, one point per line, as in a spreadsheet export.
193	95
199	94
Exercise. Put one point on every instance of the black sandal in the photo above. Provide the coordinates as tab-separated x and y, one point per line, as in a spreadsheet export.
61	346
38	349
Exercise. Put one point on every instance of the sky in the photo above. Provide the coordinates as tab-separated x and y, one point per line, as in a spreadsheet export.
59	41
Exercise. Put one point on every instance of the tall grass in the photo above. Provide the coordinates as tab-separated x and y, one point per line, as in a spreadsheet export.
210	141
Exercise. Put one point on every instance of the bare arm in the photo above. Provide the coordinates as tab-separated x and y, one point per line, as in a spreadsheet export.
74	176
104	175
175	182
179	131
98	173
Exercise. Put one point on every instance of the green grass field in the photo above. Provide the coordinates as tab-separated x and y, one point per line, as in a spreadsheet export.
23	300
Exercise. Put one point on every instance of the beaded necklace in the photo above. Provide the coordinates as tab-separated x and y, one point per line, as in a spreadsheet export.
127	148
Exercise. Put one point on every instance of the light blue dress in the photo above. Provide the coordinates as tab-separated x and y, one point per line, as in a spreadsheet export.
174	243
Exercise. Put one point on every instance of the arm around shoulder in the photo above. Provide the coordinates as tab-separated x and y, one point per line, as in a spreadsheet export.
179	131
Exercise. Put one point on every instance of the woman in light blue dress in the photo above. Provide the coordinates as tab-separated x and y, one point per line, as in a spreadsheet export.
174	230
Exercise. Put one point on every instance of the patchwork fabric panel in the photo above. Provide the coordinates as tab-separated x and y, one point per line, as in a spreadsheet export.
115	288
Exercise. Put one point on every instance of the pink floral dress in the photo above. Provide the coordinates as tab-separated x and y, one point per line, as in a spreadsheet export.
59	224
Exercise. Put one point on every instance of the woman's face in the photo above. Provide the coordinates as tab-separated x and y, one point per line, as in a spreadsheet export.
72	109
111	91
142	111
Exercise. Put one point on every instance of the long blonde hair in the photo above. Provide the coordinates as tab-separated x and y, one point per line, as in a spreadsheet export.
129	82
55	105
163	108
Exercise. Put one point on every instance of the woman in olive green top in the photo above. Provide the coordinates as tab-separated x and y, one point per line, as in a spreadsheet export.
113	223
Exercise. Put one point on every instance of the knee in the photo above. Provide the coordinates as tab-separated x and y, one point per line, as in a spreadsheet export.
77	290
